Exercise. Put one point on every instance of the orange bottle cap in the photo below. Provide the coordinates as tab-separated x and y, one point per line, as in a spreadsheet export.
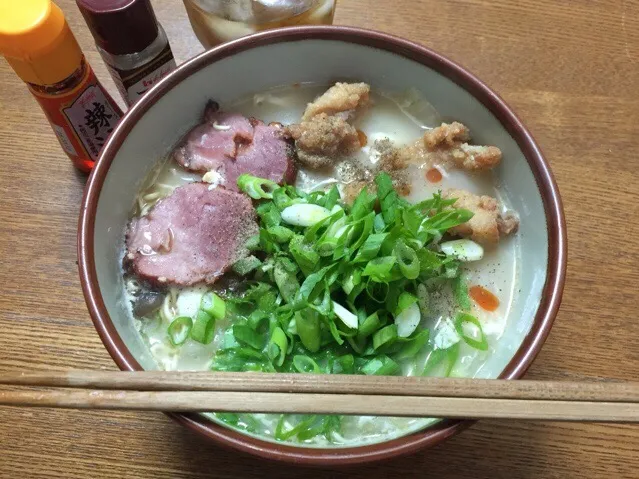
37	41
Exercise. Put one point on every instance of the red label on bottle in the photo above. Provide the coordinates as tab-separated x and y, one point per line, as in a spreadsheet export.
82	119
135	83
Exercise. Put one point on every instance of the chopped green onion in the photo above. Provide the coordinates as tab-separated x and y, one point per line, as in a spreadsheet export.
285	196
268	243
282	435
331	198
407	260
463	249
451	269
429	262
213	305
413	346
308	329
279	233
388	198
361	232
411	220
384	185
448	219
179	330
352	279
460	291
377	291
437	356
269	214
228	341
370	248
323	305
342	240
423	299
304	254
245	265
344	365
465	318
246	335
256	188
286	280
371	324
335	333
321	425
358	344
304	214
228	418
385	337
257	319
379	269
326	247
277	346
319	258
363	204
247	353
257	291
335	230
348	318
203	329
405	300
253	243
267	300
311	233
304	364
380	366
310	283
357	289
318	427
408	319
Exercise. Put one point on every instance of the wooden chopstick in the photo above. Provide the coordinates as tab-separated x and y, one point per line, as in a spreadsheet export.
324	394
304	403
612	391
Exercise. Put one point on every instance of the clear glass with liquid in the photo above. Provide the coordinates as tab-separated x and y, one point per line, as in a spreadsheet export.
219	21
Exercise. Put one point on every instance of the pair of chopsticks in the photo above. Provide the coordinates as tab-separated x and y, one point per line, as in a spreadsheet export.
601	401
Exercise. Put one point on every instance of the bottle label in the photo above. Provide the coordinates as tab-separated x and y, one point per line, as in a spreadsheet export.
64	140
135	83
92	118
82	118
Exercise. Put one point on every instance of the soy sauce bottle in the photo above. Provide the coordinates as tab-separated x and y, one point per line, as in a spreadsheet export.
132	43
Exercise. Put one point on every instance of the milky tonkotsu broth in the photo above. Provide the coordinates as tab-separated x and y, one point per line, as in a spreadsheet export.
401	118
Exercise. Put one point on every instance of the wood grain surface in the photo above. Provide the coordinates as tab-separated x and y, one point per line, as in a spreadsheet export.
571	71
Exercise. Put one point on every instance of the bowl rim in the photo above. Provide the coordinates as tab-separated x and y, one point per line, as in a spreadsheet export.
521	361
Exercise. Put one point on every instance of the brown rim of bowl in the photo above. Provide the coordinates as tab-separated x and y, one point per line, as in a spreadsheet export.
530	347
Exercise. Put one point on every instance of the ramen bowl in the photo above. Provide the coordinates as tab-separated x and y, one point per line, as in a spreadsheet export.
322	55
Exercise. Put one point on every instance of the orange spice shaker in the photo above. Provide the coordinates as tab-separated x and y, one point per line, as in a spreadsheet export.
39	45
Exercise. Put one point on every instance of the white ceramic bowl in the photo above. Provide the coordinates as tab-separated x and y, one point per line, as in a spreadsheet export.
321	54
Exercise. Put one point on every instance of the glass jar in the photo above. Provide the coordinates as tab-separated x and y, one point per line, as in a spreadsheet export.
219	21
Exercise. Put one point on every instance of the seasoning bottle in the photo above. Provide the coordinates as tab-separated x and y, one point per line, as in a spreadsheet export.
131	41
38	44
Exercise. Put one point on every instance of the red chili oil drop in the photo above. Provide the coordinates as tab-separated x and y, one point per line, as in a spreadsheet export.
434	175
484	298
363	139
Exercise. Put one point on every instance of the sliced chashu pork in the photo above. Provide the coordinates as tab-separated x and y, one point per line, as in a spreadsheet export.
192	236
230	144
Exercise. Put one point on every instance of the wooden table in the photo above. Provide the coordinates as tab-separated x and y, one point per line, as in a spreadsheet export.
570	69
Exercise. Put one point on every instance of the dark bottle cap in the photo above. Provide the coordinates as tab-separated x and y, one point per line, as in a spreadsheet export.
120	27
